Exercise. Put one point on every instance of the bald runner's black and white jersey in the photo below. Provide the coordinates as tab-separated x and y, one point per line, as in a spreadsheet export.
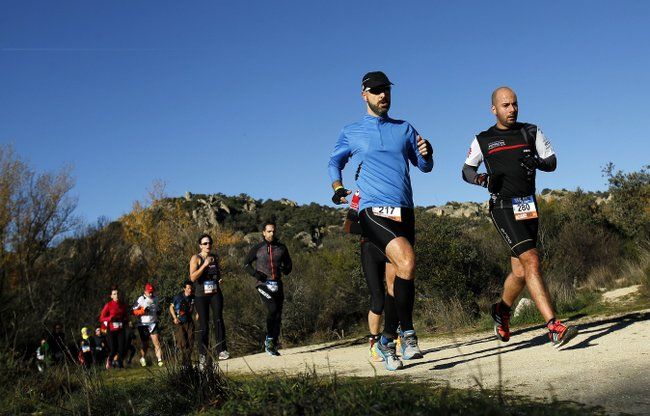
511	159
502	151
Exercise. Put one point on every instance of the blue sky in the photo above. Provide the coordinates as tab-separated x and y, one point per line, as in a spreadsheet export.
250	97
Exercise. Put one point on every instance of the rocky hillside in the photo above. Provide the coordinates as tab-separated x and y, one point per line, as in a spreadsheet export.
307	224
475	209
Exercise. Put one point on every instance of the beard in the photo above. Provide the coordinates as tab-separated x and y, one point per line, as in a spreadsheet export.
509	122
379	110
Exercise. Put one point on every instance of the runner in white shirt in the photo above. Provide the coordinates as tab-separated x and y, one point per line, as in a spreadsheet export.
146	308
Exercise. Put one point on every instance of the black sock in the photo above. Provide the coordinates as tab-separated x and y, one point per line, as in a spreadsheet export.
550	321
404	301
390	317
503	305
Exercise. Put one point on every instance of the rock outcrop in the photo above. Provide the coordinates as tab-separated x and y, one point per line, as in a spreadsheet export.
460	210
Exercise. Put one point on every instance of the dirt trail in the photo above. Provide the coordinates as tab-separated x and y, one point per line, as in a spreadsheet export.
607	364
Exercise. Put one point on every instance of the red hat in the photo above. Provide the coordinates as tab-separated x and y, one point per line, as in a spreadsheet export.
148	288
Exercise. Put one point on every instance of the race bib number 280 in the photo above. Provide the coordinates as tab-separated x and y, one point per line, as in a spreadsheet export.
524	208
392	213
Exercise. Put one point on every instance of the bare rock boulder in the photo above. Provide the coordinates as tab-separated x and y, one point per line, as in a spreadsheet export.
523	305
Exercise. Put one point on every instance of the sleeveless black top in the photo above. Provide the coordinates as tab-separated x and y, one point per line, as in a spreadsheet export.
208	283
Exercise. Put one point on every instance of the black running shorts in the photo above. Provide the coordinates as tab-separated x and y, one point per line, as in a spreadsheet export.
147	330
520	236
381	231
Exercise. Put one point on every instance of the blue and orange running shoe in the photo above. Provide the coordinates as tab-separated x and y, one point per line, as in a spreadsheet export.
389	355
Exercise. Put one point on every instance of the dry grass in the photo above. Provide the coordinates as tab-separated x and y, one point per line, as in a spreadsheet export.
445	315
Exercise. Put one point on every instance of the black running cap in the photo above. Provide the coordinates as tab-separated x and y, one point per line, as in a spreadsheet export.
375	79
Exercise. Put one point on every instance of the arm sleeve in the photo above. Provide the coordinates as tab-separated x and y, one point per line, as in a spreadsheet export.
250	258
287	264
424	164
470	173
547	165
547	159
104	314
474	156
339	157
137	309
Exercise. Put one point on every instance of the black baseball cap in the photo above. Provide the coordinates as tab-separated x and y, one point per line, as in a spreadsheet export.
375	79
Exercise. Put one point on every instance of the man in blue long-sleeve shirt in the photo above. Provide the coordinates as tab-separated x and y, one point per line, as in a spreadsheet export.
385	148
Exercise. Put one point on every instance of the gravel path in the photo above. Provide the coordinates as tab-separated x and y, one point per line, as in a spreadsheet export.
607	364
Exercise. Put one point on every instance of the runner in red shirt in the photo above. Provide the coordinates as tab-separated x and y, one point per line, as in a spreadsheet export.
115	317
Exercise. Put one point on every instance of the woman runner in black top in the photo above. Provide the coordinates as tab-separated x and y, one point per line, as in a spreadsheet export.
206	276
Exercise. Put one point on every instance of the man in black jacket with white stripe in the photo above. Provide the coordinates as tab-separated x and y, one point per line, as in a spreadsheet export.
272	260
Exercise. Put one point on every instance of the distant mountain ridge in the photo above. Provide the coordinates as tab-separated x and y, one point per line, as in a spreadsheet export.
311	222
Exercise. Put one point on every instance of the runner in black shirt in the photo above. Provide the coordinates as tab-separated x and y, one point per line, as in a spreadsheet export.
512	153
101	346
272	260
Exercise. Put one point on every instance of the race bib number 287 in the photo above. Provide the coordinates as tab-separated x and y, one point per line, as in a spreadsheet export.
392	213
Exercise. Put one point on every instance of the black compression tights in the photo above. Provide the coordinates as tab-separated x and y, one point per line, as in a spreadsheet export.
203	305
373	263
391	321
116	342
404	291
274	302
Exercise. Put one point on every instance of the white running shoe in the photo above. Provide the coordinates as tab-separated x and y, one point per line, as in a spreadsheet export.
409	346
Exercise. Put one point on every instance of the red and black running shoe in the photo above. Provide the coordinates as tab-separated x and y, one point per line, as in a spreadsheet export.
501	318
560	334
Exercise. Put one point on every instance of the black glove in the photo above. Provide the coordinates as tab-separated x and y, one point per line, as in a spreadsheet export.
495	183
529	161
482	179
338	194
260	276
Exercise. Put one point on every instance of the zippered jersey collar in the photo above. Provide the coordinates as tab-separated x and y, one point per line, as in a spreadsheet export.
376	119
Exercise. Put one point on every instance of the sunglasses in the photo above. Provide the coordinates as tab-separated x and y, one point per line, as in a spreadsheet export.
206	243
378	90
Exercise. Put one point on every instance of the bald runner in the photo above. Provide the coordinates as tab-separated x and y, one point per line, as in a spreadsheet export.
512	153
